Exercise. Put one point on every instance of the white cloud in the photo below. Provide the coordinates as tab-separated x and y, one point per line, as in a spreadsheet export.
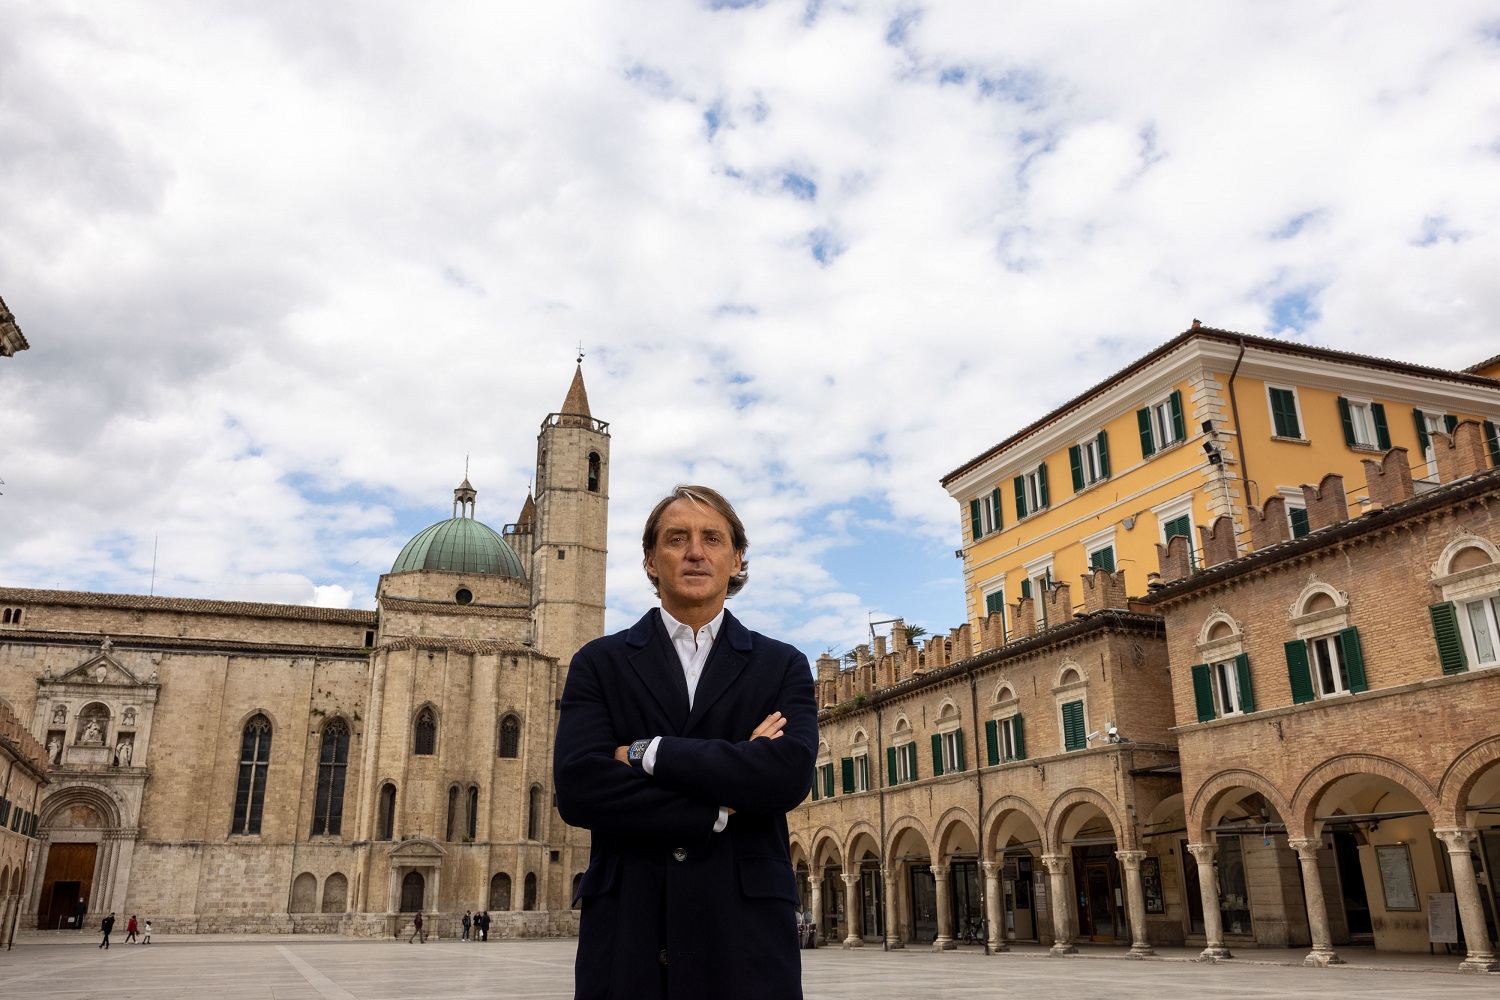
284	266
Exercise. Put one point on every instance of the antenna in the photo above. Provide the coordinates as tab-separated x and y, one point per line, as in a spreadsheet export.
154	540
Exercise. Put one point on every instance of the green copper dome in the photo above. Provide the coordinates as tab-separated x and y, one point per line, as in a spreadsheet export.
460	545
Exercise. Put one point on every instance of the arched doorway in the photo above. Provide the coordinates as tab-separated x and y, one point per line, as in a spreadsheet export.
74	823
1088	837
1016	842
413	891
916	888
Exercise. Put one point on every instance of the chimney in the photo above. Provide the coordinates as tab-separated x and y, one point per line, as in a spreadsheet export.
1218	541
1461	453
1326	503
1389	479
1174	559
1268	523
1103	589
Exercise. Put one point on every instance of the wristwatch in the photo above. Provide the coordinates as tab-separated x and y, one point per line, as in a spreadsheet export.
637	752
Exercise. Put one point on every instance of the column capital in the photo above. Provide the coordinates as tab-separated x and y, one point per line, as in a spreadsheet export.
890	875
850	880
1307	848
1130	859
940	871
991	869
1458	838
1204	853
1056	864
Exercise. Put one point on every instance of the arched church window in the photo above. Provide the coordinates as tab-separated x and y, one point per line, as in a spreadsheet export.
534	814
500	892
333	765
425	743
593	472
473	813
528	898
452	827
250	790
385	824
510	737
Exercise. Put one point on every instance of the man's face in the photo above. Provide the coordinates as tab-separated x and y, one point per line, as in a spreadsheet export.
694	558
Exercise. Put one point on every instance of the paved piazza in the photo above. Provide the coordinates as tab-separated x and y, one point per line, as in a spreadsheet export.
302	968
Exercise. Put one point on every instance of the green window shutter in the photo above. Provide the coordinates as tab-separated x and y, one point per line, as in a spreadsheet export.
1177	526
1298	517
1104	557
1025	588
937	754
1043	498
994	602
1247	693
995	508
828	780
1075	460
1492	442
1354	659
1148	443
1382	431
1074	738
1450	643
1103	453
1348	420
890	767
958	744
1284	413
911	759
976	526
992	742
1018	736
1020	497
1179	426
1450	422
1298	671
1422	439
847	765
1203	692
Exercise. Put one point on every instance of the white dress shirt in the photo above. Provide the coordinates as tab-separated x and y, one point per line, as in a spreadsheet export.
692	652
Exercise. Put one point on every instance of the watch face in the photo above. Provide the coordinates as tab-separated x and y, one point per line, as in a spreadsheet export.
638	749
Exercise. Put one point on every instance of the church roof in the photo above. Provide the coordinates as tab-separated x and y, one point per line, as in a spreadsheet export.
578	397
460	545
527	517
140	602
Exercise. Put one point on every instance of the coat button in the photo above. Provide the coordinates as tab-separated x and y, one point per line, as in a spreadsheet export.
680	854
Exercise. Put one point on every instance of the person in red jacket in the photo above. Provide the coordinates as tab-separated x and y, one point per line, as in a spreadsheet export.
130	929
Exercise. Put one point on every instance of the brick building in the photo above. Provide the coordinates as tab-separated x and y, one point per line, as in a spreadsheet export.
21	790
224	766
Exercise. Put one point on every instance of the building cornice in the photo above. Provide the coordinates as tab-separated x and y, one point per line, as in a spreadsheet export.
188	605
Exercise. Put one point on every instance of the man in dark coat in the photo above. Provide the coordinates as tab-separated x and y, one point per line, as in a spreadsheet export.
106	925
682	744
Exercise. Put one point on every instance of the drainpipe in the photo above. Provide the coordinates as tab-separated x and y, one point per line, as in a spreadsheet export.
979	816
1234	408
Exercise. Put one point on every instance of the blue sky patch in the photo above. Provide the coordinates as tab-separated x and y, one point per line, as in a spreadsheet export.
1295	310
825	245
799	186
733	4
952	75
896	33
713	118
1295	225
1435	229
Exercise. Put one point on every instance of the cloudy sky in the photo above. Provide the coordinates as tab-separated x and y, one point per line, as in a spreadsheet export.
283	265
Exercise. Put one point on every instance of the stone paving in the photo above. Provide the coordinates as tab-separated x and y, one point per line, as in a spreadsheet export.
71	967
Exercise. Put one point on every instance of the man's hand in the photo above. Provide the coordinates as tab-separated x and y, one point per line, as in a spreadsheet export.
770	728
622	754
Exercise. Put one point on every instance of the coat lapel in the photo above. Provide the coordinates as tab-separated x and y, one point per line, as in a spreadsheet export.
725	663
654	659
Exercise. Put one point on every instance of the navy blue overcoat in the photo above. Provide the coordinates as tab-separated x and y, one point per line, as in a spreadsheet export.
670	908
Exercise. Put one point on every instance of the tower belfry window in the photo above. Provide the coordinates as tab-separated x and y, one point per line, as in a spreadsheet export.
593	472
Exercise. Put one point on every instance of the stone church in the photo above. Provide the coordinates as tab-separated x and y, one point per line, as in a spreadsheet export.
227	766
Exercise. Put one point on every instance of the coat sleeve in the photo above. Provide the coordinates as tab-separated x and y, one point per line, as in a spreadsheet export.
597	792
753	776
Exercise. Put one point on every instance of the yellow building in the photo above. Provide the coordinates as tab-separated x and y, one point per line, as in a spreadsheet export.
1210	423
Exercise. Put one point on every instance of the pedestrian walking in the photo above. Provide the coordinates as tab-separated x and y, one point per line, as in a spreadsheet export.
416	929
146	937
467	921
130	928
106	925
484	925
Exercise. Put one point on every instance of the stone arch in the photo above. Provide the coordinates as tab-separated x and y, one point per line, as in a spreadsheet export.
860	831
1444	564
1004	691
1308	598
903	825
1071	799
304	894
947	707
102	800
902	724
500	892
826	844
1317	780
1223	782
336	893
1071	672
1215	619
1000	819
951	827
96	717
508	736
1461	777
246	717
860	737
797	850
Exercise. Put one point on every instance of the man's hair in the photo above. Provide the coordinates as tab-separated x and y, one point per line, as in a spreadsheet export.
700	496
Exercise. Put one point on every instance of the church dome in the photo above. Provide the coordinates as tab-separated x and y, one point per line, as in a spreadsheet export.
460	545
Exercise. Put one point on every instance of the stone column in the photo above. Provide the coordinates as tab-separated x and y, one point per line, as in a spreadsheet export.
1135	900
1208	885
852	910
892	908
815	884
1062	909
1317	911
1481	956
944	940
993	911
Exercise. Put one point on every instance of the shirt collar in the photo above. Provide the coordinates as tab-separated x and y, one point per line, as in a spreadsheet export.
673	625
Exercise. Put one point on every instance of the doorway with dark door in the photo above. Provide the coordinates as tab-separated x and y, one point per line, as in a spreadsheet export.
923	904
1101	901
67	880
413	889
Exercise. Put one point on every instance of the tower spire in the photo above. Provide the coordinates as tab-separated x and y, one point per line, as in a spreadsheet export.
464	496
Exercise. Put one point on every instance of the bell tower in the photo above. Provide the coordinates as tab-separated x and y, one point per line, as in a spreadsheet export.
571	523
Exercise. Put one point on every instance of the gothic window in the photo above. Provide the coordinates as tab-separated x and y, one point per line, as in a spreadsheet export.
534	814
425	742
385	825
333	764
452	827
528	899
473	813
250	791
593	472
500	892
510	737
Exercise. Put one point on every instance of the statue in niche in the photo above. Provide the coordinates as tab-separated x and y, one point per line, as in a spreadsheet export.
54	749
60	715
92	732
122	753
129	719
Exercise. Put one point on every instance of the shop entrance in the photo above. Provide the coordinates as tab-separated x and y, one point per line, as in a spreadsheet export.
1101	901
923	904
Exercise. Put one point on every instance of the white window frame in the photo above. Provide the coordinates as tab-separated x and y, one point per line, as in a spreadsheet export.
1296	406
1429	418
1090	461
862	772
1033	486
1161	423
1362	419
1490	608
1038	572
950	751
1329	644
1007	734
990	590
1171	511
1097	543
1226	684
903	763
1292	496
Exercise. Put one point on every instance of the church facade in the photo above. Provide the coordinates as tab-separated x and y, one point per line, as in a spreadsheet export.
234	767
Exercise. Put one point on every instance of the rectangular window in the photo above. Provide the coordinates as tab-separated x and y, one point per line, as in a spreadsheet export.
1012	739
1364	424
862	773
1031	491
1484	634
953	751
1104	558
1075	736
1336	663
984	515
1227	688
1161	424
1298	517
1284	420
1428	424
906	761
1089	460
